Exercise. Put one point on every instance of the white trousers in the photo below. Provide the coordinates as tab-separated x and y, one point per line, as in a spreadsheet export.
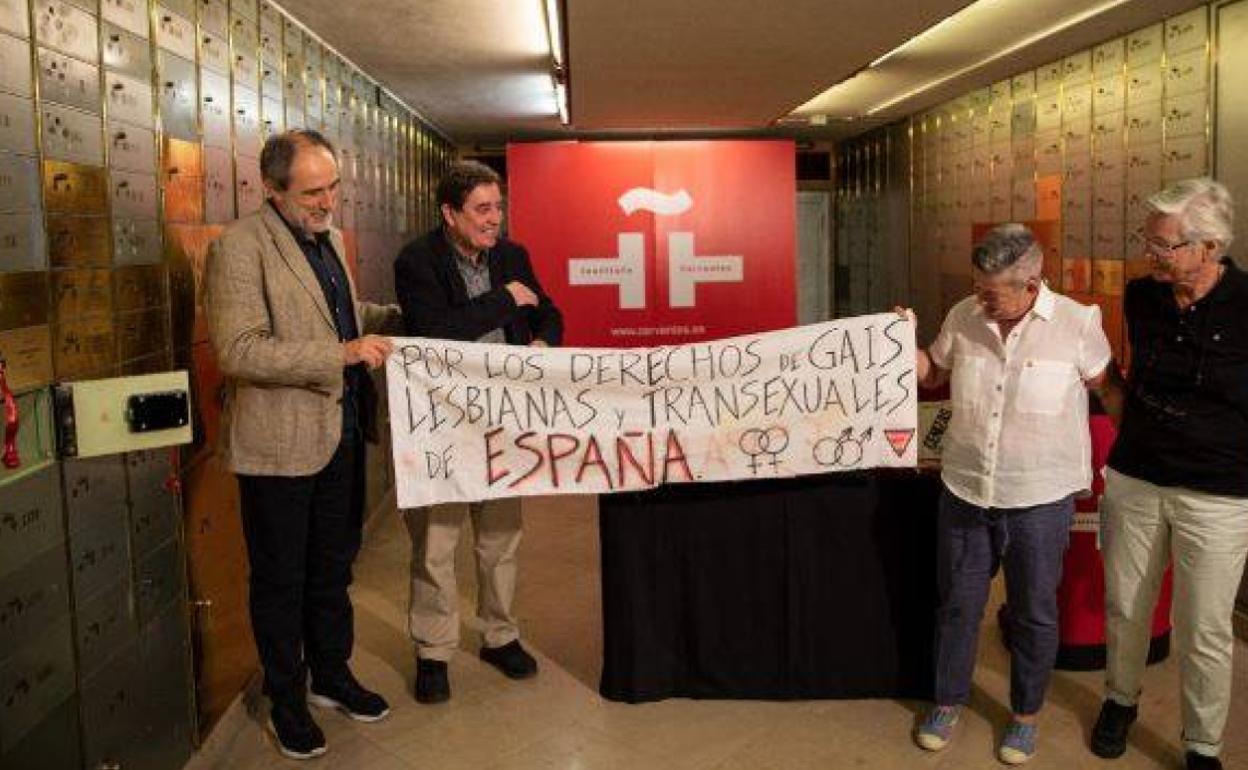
1143	527
433	611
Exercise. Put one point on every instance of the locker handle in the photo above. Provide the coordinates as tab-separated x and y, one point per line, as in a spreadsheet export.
12	421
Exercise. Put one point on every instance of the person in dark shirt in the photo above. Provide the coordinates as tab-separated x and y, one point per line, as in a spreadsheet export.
1177	483
464	281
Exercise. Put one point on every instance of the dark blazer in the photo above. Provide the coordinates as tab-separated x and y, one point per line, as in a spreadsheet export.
435	300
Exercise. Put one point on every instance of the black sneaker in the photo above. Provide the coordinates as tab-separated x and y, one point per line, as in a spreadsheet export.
349	697
511	659
432	684
298	737
1202	762
1109	736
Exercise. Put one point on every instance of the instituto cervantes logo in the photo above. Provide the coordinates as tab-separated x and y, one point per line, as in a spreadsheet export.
685	267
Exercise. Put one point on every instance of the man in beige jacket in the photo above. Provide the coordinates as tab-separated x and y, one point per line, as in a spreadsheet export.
293	342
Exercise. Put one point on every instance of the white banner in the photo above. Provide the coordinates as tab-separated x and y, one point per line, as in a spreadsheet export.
472	421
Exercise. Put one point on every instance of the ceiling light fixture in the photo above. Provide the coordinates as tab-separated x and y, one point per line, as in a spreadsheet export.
1060	26
559	70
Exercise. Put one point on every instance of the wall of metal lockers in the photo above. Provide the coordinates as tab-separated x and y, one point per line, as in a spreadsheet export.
129	134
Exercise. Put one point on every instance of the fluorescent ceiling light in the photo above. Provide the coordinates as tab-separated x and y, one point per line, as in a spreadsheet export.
978	35
1061	26
552	29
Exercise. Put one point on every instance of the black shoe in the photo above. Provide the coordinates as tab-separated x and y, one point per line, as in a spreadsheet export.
1201	762
432	684
298	737
349	697
1109	736
511	659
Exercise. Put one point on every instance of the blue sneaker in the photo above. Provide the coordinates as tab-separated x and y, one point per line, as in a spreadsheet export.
1018	745
937	727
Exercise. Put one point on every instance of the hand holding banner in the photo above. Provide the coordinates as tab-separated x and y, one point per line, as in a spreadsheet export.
475	421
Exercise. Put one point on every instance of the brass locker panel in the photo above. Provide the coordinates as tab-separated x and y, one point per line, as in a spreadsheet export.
130	15
15	65
34	681
215	109
214	52
68	29
93	485
249	187
137	242
179	96
73	189
106	625
23	299
14	17
139	287
245	8
112	708
247	140
129	99
154	511
141	334
271	117
270	80
127	53
246	68
131	148
28	351
214	17
83	349
79	294
65	80
22	242
165	649
71	135
78	241
30	513
218	186
134	195
17	124
175	32
33	596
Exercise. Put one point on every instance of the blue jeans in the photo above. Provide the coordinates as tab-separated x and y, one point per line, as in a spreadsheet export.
971	543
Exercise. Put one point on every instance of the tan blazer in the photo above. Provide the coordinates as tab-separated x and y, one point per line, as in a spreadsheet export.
278	348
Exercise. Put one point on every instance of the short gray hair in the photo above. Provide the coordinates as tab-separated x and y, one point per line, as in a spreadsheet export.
1008	247
279	152
1202	206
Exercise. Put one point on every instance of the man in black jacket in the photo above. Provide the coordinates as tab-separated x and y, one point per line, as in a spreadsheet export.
463	281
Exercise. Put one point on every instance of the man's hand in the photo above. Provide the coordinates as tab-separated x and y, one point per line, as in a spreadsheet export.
906	314
539	343
522	294
370	349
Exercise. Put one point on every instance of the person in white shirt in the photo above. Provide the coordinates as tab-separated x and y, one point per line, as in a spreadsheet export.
1020	358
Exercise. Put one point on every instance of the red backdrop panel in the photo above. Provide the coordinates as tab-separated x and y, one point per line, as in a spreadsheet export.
714	262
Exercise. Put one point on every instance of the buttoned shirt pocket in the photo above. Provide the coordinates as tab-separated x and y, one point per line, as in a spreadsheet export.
1043	384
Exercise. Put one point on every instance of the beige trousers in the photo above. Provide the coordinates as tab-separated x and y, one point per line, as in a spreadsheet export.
1144	526
433	612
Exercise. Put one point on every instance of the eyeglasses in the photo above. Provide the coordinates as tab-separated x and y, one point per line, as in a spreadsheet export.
1161	249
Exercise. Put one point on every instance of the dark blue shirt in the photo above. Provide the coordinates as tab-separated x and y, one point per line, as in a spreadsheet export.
332	277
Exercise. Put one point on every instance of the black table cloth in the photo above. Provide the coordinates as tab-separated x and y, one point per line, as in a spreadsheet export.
812	587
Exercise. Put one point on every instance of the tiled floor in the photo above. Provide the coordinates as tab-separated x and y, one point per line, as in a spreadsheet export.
557	721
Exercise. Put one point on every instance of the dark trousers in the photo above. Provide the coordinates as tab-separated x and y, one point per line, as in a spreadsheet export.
972	542
303	534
